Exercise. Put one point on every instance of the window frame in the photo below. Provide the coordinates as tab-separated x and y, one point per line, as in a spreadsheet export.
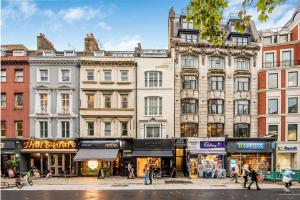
292	72
274	126
246	134
188	107
16	75
17	106
64	129
212	105
17	130
44	131
61	75
3	75
124	130
155	82
107	100
216	62
277	109
216	82
219	130
241	63
3	128
288	105
288	129
189	61
189	129
107	72
3	106
67	101
240	85
127	75
43	106
272	74
89	129
153	127
89	103
187	82
88	76
149	110
124	104
40	78
106	130
240	108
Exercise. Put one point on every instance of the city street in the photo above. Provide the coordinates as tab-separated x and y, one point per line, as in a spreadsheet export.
237	194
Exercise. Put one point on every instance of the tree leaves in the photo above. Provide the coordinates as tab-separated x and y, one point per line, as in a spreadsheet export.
207	16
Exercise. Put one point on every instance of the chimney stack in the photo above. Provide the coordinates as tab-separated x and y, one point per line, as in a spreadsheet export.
90	43
43	43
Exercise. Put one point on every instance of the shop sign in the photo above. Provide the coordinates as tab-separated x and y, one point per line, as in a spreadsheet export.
212	144
286	148
49	144
180	142
100	144
153	144
259	146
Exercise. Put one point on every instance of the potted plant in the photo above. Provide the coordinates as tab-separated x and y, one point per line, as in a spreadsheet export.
13	165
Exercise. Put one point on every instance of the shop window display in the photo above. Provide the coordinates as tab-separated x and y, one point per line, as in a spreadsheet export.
91	168
143	162
207	166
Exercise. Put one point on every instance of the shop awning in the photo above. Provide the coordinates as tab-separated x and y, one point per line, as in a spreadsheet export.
96	154
218	152
155	153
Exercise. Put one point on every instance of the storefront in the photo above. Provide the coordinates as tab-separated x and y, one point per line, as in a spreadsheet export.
156	153
10	150
55	156
287	156
180	146
206	157
94	155
257	153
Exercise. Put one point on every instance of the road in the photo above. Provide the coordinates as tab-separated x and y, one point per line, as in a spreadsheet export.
220	194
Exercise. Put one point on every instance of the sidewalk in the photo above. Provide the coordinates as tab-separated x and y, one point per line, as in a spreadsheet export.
122	183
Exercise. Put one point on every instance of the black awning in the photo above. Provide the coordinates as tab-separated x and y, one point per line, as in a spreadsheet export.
155	153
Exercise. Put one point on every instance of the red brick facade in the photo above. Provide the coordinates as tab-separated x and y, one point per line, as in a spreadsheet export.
10	114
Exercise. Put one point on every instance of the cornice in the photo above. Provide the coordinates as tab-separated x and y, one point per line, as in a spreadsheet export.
54	62
108	63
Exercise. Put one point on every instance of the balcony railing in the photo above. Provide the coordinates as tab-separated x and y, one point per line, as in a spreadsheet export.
282	64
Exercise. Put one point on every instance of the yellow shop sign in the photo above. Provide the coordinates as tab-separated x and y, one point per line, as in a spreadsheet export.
49	144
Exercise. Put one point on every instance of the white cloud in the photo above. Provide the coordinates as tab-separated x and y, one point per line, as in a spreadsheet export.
126	43
104	26
79	13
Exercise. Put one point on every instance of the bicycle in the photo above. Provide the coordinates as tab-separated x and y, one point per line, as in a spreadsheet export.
26	179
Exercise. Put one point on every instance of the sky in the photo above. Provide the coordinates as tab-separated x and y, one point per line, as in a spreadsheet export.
117	24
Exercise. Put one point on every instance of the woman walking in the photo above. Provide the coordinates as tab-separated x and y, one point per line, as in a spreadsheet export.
287	178
245	174
253	176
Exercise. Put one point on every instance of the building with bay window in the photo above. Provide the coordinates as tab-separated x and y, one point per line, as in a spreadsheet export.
279	90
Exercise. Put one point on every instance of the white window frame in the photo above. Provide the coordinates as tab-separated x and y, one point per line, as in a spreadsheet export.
39	75
61	75
287	78
278	130
5	72
87	128
275	58
287	104
110	130
124	70
153	126
16	79
60	104
155	84
292	55
287	131
60	131
86	74
127	122
278	106
159	108
111	74
38	128
39	103
278	81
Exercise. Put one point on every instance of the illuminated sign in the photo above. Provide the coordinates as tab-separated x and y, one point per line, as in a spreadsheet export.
49	144
250	146
286	148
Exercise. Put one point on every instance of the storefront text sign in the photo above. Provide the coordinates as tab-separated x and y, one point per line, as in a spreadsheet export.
49	144
250	146
206	145
212	144
286	148
180	142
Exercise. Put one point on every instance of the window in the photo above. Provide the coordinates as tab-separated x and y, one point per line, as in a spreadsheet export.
241	130
189	106
273	106
189	62
90	126
44	75
286	58
65	103
267	40
19	53
65	75
241	63
44	103
273	130
3	128
241	84
153	79
65	129
19	128
189	130
187	24
240	40
189	37
107	75
43	129
216	83
215	130
189	82
153	131
153	105
124	75
216	62
107	130
90	74
90	100
293	105
283	38
242	107
19	100
124	100
292	132
269	60
124	130
3	75
19	75
215	106
3	100
273	80
293	79
107	99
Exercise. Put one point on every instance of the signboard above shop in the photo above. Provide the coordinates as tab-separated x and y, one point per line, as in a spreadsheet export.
287	148
49	144
250	147
109	144
206	145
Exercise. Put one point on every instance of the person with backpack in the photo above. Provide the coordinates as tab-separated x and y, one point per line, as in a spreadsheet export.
287	178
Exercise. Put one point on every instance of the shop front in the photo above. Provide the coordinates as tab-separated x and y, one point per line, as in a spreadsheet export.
180	146
155	153
257	153
55	156
10	150
287	156
206	157
94	155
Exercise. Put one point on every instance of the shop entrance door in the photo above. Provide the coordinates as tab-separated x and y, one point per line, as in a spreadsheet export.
56	163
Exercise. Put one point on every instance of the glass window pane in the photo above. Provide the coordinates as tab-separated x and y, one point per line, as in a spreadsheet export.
273	106
292	132
293	105
273	81
293	79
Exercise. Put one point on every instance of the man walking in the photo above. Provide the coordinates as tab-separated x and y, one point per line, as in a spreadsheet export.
245	174
253	176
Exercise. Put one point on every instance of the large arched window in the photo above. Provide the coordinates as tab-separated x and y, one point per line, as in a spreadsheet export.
189	61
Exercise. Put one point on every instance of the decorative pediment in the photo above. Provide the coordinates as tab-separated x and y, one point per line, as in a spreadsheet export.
65	87
42	87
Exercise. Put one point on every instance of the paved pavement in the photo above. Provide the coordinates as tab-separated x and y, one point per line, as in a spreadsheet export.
275	194
122	183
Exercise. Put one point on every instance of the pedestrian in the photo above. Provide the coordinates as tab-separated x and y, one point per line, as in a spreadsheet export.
150	174
234	174
189	169
146	175
253	175
132	172
287	178
129	170
245	174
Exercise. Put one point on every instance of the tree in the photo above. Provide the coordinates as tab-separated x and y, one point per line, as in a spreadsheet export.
207	16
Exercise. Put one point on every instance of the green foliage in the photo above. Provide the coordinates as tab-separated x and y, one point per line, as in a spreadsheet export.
207	16
13	163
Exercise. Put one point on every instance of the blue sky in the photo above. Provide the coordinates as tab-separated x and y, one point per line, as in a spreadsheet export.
117	24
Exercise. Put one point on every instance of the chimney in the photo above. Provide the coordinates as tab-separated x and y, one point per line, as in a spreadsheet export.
137	50
171	13
90	43
43	43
